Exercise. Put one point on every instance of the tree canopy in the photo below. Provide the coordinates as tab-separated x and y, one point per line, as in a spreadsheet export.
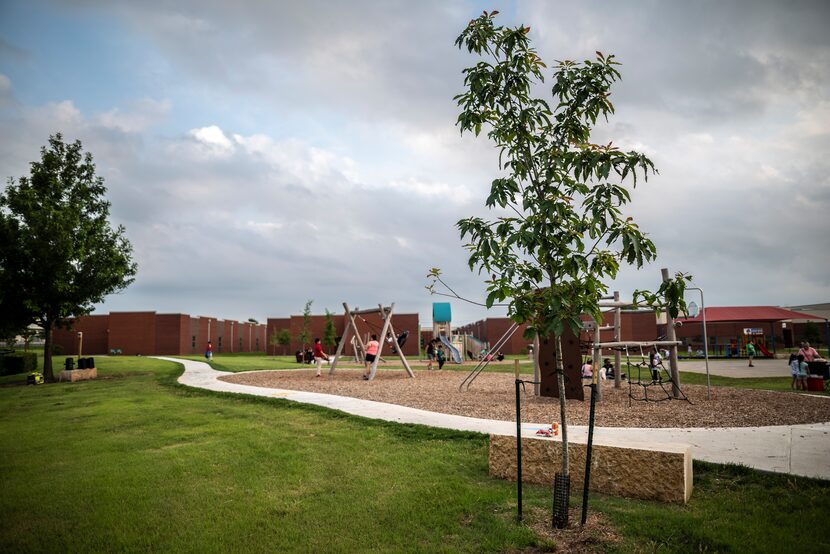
59	255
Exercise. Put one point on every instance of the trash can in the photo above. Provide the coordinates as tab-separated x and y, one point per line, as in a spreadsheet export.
815	383
69	364
818	368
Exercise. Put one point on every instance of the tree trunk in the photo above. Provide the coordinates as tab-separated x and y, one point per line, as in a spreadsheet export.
48	374
561	481
560	376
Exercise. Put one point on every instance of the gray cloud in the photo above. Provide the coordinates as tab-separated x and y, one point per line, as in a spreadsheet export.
351	188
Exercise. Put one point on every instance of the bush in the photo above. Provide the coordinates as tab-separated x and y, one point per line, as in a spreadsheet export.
57	350
18	362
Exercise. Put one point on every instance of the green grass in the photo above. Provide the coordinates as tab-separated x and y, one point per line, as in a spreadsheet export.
247	362
733	509
764	383
134	461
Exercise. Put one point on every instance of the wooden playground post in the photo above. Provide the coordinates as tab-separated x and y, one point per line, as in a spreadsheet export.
382	339
671	336
398	348
344	339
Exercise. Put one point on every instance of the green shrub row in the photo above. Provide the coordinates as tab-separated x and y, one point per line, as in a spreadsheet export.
18	362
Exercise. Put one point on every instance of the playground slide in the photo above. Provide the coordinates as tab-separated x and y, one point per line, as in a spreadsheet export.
764	351
455	354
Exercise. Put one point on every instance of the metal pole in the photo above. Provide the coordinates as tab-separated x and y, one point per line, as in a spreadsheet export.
589	451
705	341
518	440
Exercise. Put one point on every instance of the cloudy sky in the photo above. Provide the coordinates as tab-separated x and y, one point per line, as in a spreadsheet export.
261	153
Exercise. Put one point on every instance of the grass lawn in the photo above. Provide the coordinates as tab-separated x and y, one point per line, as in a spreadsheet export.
134	461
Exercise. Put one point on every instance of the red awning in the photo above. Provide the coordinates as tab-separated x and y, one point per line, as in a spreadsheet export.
751	313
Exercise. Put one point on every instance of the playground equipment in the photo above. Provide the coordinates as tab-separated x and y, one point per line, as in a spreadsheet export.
655	375
352	328
571	355
442	330
482	365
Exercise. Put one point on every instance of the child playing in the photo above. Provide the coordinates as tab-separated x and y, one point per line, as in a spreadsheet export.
441	358
802	372
793	363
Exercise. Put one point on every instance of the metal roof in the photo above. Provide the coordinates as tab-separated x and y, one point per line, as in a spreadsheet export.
751	313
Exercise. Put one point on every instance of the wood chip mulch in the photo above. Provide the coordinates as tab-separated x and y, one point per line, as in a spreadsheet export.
492	396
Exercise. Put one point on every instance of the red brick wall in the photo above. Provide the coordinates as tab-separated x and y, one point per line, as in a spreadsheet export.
192	348
94	328
133	332
171	332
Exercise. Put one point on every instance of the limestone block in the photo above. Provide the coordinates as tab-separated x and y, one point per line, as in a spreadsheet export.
661	472
78	374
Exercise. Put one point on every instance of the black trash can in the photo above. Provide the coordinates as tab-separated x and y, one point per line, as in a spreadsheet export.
81	363
69	364
818	368
90	363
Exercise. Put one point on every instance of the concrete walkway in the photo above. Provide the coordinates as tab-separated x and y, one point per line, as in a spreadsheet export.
798	449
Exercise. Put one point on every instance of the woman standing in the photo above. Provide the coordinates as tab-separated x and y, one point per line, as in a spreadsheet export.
372	348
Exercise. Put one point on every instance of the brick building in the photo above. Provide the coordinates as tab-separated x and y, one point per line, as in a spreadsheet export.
637	325
367	324
729	328
152	334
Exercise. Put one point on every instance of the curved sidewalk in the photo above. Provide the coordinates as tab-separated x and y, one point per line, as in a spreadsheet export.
798	449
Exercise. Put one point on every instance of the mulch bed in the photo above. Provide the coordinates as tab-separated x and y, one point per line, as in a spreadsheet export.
492	396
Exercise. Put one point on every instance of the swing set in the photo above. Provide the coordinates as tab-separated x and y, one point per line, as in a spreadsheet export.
352	334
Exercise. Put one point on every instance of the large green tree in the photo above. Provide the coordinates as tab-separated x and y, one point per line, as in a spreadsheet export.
59	254
560	233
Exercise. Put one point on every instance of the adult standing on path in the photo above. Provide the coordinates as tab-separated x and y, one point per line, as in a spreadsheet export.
750	352
372	348
319	356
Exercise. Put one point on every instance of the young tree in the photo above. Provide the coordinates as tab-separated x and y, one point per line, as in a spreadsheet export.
63	256
329	333
305	334
560	232
280	337
283	338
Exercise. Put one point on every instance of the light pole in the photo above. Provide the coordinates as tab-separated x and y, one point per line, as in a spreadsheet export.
80	345
705	340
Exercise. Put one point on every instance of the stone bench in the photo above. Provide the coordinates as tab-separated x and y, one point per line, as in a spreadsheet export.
644	471
73	375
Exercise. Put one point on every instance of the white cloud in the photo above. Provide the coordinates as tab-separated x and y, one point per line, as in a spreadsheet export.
213	139
141	115
297	140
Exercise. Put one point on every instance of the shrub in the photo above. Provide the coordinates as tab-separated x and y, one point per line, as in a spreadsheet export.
18	362
57	350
